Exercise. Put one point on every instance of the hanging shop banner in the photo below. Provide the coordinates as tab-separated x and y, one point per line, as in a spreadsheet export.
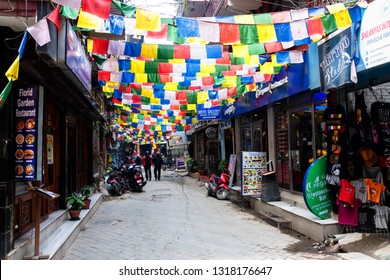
315	189
26	112
232	167
253	165
375	34
207	114
335	53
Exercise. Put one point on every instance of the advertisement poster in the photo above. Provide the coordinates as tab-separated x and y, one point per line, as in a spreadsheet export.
50	146
232	167
254	164
315	189
26	112
207	114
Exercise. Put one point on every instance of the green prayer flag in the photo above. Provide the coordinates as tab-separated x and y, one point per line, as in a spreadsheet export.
99	58
126	9
179	87
183	107
241	89
136	91
264	18
220	68
248	33
254	49
329	23
5	93
165	52
191	97
236	60
154	78
219	80
145	100
151	67
173	35
69	12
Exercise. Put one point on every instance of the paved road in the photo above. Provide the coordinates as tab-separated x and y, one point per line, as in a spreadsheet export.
174	219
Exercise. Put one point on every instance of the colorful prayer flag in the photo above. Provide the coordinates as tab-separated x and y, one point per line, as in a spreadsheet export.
74	4
13	72
54	17
5	93
99	8
40	32
147	20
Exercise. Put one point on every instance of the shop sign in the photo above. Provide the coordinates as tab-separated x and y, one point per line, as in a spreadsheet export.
26	115
232	167
315	189
375	34
335	59
206	114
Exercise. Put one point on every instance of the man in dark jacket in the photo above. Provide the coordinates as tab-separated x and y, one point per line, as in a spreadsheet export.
157	161
147	161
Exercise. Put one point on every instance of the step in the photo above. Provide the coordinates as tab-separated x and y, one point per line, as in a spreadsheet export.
280	221
302	219
57	234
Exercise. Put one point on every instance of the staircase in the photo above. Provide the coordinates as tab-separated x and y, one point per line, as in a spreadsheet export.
57	234
292	207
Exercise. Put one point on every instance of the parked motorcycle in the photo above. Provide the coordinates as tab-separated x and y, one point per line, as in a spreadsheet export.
169	163
112	184
135	178
219	185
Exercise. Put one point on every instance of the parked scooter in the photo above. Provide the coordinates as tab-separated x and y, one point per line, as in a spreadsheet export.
169	163
135	178
219	185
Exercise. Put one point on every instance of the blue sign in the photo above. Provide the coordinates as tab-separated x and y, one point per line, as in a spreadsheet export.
207	114
26	116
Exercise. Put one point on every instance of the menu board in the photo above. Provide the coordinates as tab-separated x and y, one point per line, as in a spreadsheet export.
26	105
254	164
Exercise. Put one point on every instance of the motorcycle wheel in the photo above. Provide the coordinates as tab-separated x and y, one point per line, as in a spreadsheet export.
222	194
172	167
164	167
209	193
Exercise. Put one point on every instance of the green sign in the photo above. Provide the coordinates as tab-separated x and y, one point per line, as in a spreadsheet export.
315	189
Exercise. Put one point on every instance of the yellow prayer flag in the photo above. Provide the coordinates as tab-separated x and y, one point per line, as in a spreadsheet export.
89	21
266	33
141	78
149	50
171	86
230	81
252	60
147	92
335	8
202	97
196	40
207	68
147	20
267	68
244	19
155	101
89	45
177	61
191	107
343	19
13	70
137	66
240	50
231	100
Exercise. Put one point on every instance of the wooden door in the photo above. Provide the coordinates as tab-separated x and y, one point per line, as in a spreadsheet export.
51	151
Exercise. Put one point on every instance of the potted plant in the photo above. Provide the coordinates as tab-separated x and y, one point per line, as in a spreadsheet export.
75	203
86	191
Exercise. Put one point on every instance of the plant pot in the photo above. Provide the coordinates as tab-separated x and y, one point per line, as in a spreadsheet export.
74	214
87	203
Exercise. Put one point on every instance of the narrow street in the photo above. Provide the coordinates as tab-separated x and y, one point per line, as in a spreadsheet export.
175	219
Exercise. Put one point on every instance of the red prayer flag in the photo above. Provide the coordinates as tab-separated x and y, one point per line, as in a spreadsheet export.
225	59
100	8
54	17
175	107
229	73
181	95
165	68
273	47
100	46
165	78
315	28
231	91
136	99
124	89
235	67
208	81
162	34
181	51
104	75
229	33
194	87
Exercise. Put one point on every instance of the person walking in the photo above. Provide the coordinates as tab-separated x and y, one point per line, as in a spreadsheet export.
147	161
157	161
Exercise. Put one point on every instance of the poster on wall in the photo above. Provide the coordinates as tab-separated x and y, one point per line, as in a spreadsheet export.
26	112
232	167
315	189
50	141
253	165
